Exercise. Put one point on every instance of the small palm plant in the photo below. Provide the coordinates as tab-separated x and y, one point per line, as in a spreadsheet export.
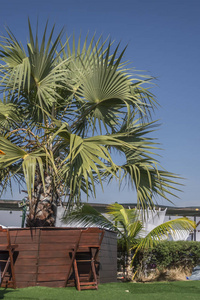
128	224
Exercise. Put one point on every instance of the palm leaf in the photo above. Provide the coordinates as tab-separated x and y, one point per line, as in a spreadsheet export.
8	115
13	153
87	216
163	231
29	165
35	73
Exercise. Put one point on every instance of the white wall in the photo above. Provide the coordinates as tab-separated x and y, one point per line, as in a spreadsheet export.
10	218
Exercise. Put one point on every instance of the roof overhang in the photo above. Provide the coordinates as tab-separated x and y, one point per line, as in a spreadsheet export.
101	207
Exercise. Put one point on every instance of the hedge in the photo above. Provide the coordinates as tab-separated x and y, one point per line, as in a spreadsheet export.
168	255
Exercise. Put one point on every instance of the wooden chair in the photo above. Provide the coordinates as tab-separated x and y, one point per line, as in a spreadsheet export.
86	258
7	276
72	250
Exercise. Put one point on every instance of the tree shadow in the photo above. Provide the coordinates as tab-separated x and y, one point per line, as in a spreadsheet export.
5	291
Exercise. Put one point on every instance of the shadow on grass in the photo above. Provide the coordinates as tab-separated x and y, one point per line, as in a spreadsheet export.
5	291
16	294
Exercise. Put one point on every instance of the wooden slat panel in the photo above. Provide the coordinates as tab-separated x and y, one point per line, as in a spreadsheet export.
90	237
83	249
6	285
57	261
24	277
3	234
24	284
53	269
27	247
25	269
57	247
55	283
60	232
59	239
25	239
3	240
53	254
23	232
26	262
27	254
51	277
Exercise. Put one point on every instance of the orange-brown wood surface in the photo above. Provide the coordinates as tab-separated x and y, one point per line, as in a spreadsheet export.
43	256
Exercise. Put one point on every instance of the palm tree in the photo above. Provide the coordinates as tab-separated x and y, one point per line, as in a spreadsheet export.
129	224
65	113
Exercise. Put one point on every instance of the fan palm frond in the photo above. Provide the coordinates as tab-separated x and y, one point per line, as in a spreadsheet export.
87	216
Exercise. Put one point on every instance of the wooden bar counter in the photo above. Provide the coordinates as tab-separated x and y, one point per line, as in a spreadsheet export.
42	258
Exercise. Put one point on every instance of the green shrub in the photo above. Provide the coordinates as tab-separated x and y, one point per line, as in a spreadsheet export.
168	255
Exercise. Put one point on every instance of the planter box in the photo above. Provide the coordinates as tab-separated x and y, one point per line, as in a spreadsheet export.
41	258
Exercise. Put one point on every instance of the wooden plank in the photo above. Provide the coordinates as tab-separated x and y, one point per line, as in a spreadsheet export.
55	283
24	277
53	269
56	261
24	284
27	254
26	262
26	239
59	233
24	232
51	277
57	247
90	234
53	254
27	247
59	239
3	239
25	269
83	249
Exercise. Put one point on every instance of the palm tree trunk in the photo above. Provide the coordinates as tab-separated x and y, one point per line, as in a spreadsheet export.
128	271
43	205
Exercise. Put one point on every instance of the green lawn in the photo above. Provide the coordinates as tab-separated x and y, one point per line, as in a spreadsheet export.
179	290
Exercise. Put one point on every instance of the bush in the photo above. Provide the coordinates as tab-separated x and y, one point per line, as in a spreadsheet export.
168	255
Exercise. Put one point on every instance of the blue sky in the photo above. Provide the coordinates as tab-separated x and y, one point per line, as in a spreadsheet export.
163	39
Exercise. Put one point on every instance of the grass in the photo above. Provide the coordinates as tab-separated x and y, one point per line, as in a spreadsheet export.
178	290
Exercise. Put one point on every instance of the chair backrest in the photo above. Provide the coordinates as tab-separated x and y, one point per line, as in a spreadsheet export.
4	236
91	237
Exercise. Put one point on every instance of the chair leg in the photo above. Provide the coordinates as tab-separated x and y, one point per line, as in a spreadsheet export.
12	269
77	276
12	274
94	272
